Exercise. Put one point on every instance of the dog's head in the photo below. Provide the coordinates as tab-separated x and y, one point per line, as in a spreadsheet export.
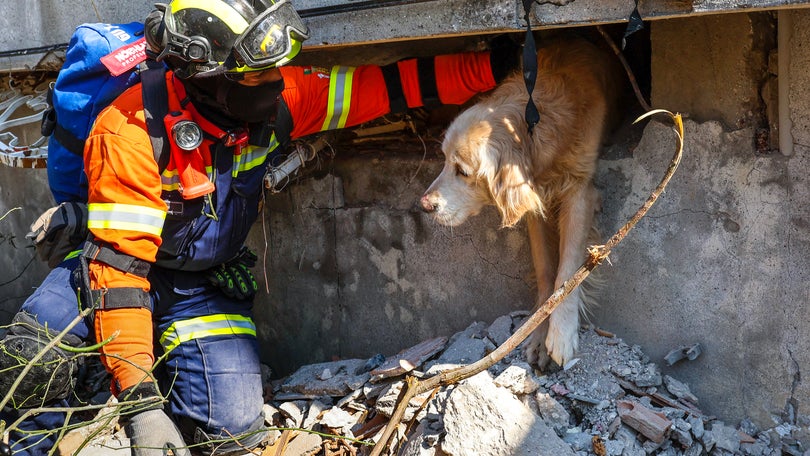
487	162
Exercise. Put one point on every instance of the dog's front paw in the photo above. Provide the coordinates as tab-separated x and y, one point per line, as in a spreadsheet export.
536	353
563	336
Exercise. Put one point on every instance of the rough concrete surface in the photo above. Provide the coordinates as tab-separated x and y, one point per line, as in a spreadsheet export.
719	260
799	77
25	193
373	274
718	79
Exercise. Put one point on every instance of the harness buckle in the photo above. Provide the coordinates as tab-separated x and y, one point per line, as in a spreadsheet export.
174	207
236	137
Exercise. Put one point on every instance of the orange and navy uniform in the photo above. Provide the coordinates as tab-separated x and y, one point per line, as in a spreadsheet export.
130	198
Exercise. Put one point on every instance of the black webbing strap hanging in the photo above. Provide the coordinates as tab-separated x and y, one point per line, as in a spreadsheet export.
530	68
634	24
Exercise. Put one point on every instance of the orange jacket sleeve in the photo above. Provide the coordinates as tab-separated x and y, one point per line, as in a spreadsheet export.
125	212
321	99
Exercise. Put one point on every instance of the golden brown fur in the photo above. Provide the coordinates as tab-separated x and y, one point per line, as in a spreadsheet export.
546	178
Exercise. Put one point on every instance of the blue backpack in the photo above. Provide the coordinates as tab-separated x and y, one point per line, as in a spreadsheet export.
101	61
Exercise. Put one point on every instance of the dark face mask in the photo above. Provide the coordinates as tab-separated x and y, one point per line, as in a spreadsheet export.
254	104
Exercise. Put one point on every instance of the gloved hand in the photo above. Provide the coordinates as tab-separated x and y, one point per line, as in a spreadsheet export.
234	277
152	432
59	231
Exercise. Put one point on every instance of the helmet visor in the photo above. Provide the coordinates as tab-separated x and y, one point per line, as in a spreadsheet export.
271	37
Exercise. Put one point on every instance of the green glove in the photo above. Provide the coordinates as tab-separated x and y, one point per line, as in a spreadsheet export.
234	277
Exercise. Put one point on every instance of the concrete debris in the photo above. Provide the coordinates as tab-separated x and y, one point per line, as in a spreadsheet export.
679	389
305	444
613	401
407	360
345	377
653	425
691	353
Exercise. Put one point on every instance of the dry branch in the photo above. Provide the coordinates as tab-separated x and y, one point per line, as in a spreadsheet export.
596	254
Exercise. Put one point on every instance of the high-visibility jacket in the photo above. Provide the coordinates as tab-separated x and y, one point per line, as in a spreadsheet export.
136	210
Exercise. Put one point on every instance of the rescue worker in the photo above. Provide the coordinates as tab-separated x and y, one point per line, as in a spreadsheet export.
166	251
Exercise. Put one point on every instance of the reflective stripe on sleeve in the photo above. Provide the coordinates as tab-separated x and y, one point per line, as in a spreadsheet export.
206	326
340	97
113	216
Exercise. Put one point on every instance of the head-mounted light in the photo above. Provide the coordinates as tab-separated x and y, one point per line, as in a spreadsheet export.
270	37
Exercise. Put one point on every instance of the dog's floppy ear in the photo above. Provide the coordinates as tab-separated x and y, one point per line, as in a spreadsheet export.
513	188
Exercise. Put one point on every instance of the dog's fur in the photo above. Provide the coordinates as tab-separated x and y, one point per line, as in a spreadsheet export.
546	178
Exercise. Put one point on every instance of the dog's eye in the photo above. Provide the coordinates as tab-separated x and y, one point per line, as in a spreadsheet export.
460	171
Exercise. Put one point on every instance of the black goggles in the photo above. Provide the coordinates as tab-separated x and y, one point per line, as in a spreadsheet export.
270	37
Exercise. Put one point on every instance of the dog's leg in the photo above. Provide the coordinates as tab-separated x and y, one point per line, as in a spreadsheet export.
575	222
544	259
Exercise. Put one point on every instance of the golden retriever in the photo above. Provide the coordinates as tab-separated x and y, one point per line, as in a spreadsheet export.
546	177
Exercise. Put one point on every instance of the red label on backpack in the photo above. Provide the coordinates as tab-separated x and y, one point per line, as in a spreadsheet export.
125	58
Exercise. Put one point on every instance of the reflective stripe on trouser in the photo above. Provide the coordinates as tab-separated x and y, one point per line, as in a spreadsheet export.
212	364
53	304
205	326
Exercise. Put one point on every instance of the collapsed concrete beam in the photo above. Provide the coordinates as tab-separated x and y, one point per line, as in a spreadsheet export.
342	23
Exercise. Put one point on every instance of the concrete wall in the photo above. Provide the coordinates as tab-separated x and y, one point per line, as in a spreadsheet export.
25	24
721	260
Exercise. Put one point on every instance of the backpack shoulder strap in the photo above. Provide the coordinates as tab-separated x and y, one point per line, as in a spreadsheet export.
283	124
49	126
155	107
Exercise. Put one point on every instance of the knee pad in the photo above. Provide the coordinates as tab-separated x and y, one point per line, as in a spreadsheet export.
50	378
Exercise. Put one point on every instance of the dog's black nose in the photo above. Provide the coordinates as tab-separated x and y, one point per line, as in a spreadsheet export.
427	205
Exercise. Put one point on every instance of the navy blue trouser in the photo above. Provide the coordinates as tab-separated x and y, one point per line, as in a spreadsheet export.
212	372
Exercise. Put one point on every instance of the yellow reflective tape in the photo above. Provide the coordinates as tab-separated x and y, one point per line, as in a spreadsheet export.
347	97
128	217
253	156
211	319
128	208
237	160
225	12
340	97
250	158
169	181
206	326
108	225
73	254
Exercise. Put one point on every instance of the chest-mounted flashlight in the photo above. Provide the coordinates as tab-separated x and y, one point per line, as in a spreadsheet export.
191	162
187	134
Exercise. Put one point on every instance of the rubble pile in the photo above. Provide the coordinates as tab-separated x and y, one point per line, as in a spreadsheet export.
609	401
